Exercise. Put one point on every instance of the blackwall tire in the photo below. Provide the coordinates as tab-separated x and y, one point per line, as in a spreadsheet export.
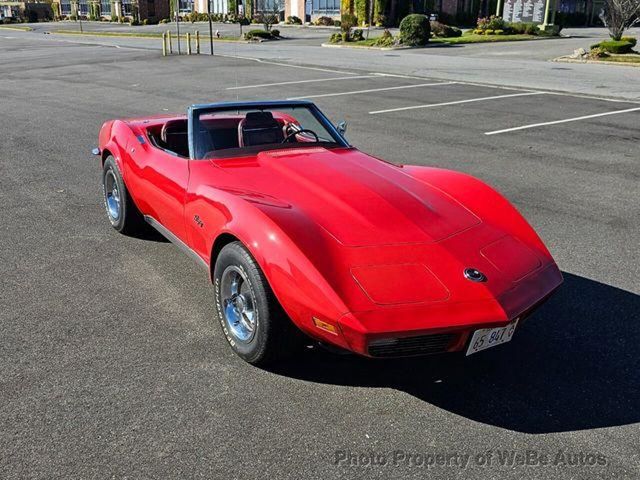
252	320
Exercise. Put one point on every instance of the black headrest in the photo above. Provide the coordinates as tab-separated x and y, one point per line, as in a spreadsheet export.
259	120
173	127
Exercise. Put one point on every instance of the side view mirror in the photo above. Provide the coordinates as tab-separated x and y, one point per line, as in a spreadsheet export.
342	127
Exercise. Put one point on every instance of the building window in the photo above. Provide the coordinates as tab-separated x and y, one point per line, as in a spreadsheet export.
127	9
266	5
325	7
105	7
83	7
65	7
151	8
219	6
185	6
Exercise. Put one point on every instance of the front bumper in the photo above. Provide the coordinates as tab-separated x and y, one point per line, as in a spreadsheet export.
449	326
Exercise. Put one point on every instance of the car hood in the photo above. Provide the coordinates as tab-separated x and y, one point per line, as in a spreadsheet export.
384	238
359	200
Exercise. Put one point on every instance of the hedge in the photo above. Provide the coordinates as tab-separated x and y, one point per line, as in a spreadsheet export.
258	34
415	29
614	46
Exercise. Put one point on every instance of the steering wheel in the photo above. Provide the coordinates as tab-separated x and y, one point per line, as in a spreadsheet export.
302	130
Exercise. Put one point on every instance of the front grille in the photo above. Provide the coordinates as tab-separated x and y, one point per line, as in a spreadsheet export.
407	346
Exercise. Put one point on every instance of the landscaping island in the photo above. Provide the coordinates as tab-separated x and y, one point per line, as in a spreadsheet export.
607	52
417	31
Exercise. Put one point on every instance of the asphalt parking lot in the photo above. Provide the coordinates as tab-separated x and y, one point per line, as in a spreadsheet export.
112	364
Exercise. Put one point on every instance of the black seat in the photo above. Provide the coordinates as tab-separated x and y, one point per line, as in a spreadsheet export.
174	137
259	128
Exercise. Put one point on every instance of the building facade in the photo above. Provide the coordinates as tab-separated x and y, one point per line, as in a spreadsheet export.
33	11
309	10
151	10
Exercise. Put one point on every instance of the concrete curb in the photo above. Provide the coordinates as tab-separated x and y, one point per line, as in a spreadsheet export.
365	47
596	62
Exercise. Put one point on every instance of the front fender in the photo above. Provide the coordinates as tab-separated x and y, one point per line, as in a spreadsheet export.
300	288
113	139
484	201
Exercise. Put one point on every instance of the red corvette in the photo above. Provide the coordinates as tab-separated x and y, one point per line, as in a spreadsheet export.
301	232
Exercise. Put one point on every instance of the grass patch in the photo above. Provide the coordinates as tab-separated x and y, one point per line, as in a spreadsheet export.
138	35
474	38
17	27
465	38
622	58
363	43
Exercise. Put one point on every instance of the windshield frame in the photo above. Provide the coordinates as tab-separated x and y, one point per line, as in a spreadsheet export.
195	111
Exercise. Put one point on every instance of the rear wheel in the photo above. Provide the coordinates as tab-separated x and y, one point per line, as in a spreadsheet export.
252	320
123	214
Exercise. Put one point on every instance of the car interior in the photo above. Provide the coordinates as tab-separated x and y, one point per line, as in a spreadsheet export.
222	132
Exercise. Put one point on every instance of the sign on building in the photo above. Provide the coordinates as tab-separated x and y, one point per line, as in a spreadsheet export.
529	11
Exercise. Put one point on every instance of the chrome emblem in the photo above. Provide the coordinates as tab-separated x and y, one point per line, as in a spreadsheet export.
474	275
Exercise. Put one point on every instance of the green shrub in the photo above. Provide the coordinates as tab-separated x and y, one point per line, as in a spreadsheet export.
613	46
293	20
523	28
597	52
632	40
251	34
357	35
324	21
498	32
348	22
415	29
489	32
491	23
337	23
335	38
386	39
275	32
442	30
164	20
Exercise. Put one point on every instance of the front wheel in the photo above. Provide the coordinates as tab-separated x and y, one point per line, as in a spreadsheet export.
252	320
121	211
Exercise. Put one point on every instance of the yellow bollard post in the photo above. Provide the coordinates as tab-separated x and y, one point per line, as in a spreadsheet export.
164	44
169	42
188	43
197	42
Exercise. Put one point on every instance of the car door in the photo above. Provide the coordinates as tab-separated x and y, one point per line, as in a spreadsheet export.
161	180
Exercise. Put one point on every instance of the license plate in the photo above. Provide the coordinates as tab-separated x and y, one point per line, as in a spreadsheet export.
490	337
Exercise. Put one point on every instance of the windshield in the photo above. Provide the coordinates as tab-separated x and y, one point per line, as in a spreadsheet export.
230	132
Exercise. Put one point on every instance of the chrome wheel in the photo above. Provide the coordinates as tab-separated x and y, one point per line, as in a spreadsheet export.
112	195
238	304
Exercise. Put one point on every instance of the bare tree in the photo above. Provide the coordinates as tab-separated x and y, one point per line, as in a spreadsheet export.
268	12
619	15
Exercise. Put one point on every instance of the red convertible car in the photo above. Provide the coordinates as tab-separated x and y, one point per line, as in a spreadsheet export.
301	232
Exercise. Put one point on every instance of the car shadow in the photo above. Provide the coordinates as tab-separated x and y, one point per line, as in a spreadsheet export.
574	365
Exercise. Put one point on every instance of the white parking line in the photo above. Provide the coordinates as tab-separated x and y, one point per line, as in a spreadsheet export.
555	122
471	100
354	92
302	81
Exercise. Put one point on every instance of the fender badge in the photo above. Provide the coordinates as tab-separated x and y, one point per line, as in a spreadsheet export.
474	275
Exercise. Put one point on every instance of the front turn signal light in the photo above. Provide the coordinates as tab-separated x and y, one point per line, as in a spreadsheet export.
327	327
